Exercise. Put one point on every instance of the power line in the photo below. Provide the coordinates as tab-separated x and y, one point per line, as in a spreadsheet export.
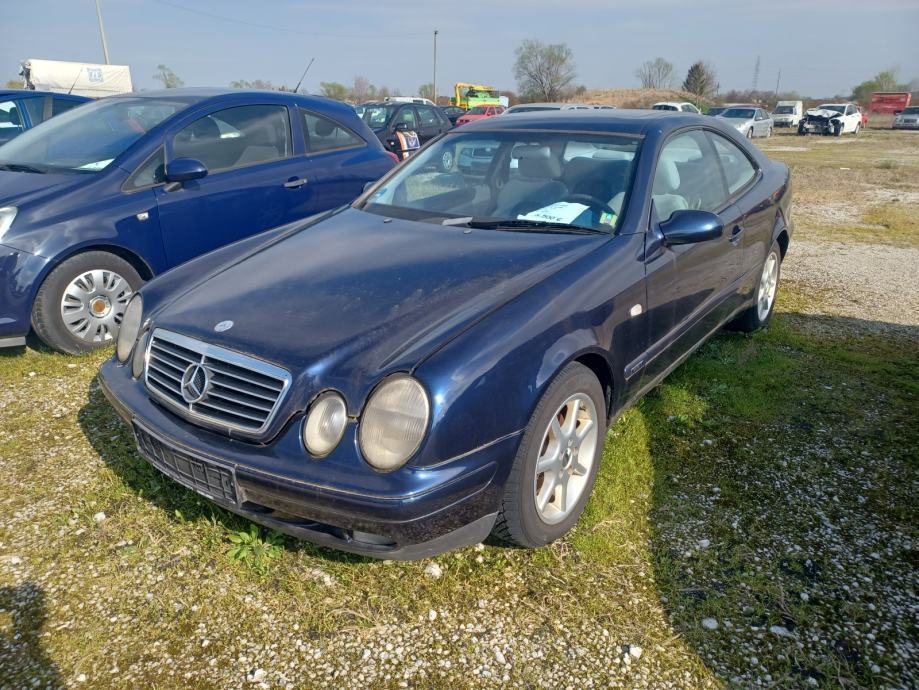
269	27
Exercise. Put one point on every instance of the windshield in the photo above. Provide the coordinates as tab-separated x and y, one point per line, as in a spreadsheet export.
912	110
835	108
531	108
739	113
664	106
377	116
784	110
524	181
88	138
478	110
716	110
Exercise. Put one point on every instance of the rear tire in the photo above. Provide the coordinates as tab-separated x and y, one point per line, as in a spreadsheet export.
750	133
564	441
93	290
760	312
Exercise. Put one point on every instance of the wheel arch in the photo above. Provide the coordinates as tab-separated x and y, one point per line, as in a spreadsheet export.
139	263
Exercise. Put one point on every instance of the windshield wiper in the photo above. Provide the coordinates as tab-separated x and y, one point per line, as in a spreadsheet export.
21	167
522	225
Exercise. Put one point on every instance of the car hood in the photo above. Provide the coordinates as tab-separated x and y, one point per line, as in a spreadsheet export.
357	294
822	112
22	187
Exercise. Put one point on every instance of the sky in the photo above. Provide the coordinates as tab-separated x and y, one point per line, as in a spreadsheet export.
821	47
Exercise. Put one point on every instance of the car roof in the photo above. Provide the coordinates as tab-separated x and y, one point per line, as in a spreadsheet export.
28	93
193	95
620	121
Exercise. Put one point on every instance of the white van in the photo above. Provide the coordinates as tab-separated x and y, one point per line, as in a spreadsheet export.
788	113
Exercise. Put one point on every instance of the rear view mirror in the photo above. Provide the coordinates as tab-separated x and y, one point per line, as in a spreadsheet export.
687	226
184	170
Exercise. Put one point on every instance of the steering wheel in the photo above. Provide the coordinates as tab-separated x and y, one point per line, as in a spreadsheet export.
592	202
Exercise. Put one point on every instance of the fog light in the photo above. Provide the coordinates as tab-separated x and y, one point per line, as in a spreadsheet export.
325	424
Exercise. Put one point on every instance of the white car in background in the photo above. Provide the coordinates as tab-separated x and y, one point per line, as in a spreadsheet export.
831	118
788	113
682	106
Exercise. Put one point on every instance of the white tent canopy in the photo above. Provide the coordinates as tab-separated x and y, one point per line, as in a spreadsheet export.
78	78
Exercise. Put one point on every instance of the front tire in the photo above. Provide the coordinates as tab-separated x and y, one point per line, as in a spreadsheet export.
557	461
750	133
80	305
759	314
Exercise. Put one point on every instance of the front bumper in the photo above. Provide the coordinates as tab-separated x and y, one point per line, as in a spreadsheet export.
20	273
906	125
808	127
411	513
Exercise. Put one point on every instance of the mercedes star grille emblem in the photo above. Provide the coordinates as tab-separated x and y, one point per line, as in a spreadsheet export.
195	383
223	326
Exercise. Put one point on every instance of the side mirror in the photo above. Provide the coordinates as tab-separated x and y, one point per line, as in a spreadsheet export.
688	227
401	127
184	170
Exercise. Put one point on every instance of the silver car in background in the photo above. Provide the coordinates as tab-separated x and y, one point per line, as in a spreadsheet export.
908	118
749	121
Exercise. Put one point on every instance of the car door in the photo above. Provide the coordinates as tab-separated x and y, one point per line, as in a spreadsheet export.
338	163
688	285
429	124
254	181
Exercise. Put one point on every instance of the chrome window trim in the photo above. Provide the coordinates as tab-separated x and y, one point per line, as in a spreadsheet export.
220	353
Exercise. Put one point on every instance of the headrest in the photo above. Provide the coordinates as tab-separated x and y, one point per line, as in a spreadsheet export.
666	177
537	161
324	128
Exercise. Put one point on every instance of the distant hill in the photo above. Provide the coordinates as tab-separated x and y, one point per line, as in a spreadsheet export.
637	98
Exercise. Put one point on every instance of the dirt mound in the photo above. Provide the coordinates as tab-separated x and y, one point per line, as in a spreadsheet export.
634	98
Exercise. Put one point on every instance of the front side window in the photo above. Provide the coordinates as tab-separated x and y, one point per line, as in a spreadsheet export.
738	170
236	137
323	134
687	176
428	116
10	119
87	139
407	117
525	180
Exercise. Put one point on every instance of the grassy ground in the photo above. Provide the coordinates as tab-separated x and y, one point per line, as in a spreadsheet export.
753	525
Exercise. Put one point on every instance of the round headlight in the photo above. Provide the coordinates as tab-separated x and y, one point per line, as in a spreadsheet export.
394	422
130	326
325	424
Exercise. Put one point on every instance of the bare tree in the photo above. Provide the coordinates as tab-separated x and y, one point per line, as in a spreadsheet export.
544	71
256	84
362	89
700	80
656	74
426	91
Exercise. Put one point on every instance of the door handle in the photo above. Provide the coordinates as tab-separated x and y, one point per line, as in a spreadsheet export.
295	183
736	234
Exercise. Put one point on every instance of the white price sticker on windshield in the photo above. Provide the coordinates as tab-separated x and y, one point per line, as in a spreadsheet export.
560	212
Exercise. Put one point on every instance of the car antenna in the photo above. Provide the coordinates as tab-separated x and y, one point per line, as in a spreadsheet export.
297	87
70	90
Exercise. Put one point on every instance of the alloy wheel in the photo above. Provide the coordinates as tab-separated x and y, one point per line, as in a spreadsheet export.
566	457
768	283
93	305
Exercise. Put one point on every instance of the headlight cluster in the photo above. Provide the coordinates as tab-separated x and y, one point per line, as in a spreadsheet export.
392	426
130	328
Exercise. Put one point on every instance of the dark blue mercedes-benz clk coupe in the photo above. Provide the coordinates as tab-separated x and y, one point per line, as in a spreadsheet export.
98	199
441	360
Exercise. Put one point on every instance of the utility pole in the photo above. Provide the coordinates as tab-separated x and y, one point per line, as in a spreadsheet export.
756	73
434	84
777	80
102	33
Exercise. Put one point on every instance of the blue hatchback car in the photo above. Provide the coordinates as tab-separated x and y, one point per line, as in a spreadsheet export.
100	199
21	109
441	359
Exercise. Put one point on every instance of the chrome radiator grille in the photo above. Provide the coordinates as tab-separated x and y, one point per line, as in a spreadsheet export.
212	385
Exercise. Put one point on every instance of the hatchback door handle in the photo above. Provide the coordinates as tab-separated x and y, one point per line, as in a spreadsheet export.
295	183
736	234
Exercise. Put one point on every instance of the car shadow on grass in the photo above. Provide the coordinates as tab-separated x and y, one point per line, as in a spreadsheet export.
782	518
23	660
114	441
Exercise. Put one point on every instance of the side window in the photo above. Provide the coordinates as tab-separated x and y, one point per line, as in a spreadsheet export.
687	176
850	110
428	116
323	134
10	120
36	108
407	115
738	170
236	137
62	105
151	172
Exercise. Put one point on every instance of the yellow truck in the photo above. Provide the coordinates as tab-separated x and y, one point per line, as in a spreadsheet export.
470	95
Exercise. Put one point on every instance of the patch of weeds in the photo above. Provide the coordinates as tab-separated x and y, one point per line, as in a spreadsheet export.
254	550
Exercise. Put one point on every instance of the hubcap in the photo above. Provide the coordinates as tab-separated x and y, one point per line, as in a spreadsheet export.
767	286
93	305
566	456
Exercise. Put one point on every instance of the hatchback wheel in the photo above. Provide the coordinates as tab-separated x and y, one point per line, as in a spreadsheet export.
557	462
758	315
81	303
750	133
